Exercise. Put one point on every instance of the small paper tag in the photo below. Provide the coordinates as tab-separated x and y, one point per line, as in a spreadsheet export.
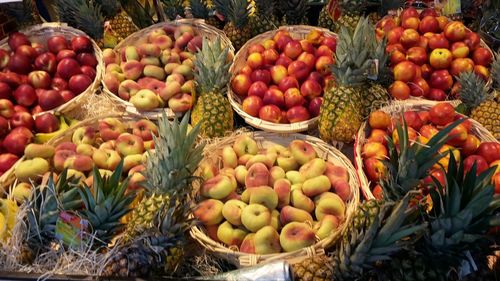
373	70
70	229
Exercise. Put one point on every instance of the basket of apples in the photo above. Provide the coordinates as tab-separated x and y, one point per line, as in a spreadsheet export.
102	141
469	140
270	196
151	71
278	78
49	67
428	51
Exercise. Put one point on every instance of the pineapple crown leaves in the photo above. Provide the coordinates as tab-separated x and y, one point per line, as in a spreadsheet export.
405	169
198	9
353	53
141	16
384	75
234	11
473	89
174	218
169	170
295	10
106	203
265	7
495	70
81	14
22	11
45	204
109	8
212	66
173	8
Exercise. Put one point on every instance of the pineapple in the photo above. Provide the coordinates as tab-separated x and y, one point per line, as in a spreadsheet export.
316	268
341	113
325	19
200	10
480	101
263	19
25	13
237	27
168	184
351	12
295	12
212	108
81	14
173	8
120	23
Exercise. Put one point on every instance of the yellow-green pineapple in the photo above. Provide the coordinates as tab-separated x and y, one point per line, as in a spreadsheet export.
341	112
237	27
263	18
212	109
325	20
295	12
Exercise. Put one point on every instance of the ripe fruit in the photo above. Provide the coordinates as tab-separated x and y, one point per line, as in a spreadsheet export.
440	58
399	90
441	79
442	113
482	56
405	71
455	31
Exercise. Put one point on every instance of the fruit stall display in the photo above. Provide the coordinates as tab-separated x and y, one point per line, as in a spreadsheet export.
267	197
378	140
152	69
277	78
427	51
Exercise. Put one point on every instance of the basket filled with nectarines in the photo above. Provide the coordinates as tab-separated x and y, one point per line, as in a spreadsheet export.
48	67
424	120
269	196
428	51
102	142
151	71
277	78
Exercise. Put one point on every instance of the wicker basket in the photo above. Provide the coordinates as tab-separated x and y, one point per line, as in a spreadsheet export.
396	108
296	32
40	33
198	24
265	139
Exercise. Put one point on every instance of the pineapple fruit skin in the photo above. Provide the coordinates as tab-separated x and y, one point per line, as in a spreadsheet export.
488	114
217	112
326	21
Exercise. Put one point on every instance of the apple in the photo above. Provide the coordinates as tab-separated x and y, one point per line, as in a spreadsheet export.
323	51
68	67
441	79
57	43
405	71
17	140
270	113
19	64
7	160
440	58
408	13
252	105
25	95
81	44
411	22
287	83
240	84
374	149
479	161
79	83
428	24
417	55
270	56
413	120
39	79
21	119
397	57
393	47
459	50
438	41
5	91
394	35
17	39
461	65
314	106
50	99
27	51
256	48
442	113
46	123
482	56
255	60
293	97
419	87
65	54
6	108
472	40
278	72
409	38
297	114
283	60
299	70
490	151
311	89
323	64
482	71
455	31
399	90
263	75
293	49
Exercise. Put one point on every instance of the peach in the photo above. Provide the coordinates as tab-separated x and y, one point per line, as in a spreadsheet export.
162	41
131	161
336	173
313	168
154	72
169	67
245	145
282	188
287	162
276	173
82	163
296	235
229	158
295	177
127	89
255	217
218	187
180	103
267	160
111	144
331	204
209	211
151	61
248	244
275	219
185	70
109	56
171	89
33	150
84	135
267	241
291	214
231	235
302	151
263	195
258	175
326	226
131	53
343	189
315	186
232	211
299	200
31	169
60	157
149	50
243	160
132	69
240	173
106	158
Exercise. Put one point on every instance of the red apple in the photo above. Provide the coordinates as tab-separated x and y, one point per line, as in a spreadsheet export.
39	79
62	54
256	48
87	59
429	12
46	123
89	71
58	84
482	71
461	65
25	95
6	108
459	50
5	91
274	96
417	55
394	35
17	39
315	105
247	70
442	113
405	71
7	160
455	31
323	64
282	41
19	64
293	49
287	83
408	13
399	90
67	95
311	89
283	60
81	44
479	161
308	59
411	22
22	119
252	105
299	70
457	136
426	71
323	51
490	151
293	97
257	89
330	42
4	126
316	76
409	38
240	84
307	46
419	87
423	42
4	58
261	75
471	144
397	57
68	67
50	99
482	56
27	51
436	94
79	83
438	41
278	72
441	79
270	113
297	114
472	40
270	56
392	47
255	60
428	24
17	140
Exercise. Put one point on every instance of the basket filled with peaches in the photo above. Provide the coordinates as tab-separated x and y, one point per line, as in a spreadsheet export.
151	71
101	142
428	51
430	126
268	196
278	78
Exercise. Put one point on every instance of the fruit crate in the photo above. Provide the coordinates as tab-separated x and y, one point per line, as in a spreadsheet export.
40	34
297	32
395	108
140	36
264	140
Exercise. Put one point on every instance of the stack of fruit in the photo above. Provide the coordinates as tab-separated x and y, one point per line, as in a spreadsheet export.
280	79
465	141
102	143
154	68
18	129
427	53
48	72
276	199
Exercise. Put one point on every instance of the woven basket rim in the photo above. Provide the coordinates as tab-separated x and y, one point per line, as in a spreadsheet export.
235	100
199	24
397	106
56	28
325	151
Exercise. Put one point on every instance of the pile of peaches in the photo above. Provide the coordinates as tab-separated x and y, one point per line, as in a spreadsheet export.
422	126
279	199
157	70
427	52
283	78
103	145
